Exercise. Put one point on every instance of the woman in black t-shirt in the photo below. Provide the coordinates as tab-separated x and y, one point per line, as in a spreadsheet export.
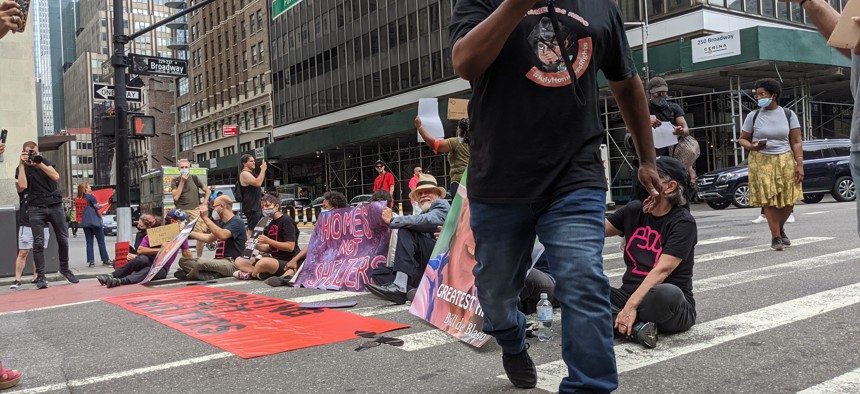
657	288
279	239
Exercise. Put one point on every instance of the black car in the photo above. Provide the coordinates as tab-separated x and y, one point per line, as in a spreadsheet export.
825	167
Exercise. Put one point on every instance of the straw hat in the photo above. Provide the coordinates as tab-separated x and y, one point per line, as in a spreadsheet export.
427	181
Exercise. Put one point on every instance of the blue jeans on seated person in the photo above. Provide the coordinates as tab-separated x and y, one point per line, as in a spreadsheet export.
572	230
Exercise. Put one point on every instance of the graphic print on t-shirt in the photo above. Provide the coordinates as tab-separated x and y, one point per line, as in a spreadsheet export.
644	248
551	70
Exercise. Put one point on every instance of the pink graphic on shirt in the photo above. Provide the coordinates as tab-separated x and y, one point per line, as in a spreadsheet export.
647	239
273	234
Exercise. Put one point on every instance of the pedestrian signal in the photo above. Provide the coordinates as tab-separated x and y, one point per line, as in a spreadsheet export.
142	126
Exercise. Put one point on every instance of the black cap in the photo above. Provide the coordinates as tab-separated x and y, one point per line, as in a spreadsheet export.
378	162
675	170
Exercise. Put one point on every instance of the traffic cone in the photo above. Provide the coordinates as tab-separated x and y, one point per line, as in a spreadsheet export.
296	215
313	216
400	207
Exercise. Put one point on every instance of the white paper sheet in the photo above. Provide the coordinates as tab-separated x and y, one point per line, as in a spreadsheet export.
428	111
664	135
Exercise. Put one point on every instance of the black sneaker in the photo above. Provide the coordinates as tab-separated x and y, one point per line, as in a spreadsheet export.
113	282
15	284
206	275
785	240
388	292
69	276
103	279
275	281
41	282
520	369
181	275
776	244
264	275
645	334
107	263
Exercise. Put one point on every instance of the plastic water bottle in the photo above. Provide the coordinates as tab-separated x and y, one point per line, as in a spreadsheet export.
544	312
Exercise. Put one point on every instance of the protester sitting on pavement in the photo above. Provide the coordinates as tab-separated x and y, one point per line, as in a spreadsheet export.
656	294
382	195
228	230
280	240
456	147
331	200
140	263
415	239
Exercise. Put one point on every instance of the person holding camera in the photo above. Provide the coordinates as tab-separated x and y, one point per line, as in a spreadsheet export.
45	205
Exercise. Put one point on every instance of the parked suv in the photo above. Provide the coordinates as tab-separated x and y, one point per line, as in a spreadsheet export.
825	167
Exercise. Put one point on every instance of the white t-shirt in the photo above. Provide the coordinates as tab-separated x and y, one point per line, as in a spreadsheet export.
773	125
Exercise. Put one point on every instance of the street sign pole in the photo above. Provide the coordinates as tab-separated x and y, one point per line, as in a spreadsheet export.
123	212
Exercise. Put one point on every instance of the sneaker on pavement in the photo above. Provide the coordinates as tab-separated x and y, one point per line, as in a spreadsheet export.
205	276
276	281
15	284
776	244
113	282
41	282
760	219
790	218
520	369
264	275
69	276
103	279
242	275
785	240
181	275
388	291
645	334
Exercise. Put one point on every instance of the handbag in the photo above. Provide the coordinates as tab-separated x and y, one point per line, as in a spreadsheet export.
91	218
686	151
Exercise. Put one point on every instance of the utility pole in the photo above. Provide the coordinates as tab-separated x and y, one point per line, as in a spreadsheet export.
119	63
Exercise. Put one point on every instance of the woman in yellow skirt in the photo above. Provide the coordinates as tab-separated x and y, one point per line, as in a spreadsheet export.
772	135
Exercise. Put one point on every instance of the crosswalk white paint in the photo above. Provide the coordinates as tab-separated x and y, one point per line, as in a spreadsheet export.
730	253
704	242
631	356
847	383
815	213
379	310
425	339
334	295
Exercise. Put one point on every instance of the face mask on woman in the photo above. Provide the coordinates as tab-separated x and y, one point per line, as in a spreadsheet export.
269	213
764	102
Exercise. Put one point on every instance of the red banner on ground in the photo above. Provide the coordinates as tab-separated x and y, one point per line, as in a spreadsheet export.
248	325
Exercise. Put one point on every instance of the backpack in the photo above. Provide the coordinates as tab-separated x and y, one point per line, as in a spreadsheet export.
755	116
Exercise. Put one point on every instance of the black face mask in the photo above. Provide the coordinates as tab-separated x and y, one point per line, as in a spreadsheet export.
659	101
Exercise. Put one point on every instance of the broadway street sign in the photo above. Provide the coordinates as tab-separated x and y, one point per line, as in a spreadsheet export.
281	6
149	65
106	92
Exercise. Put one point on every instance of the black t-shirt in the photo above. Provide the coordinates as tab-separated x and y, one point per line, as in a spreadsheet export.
234	245
283	229
649	237
529	140
42	191
251	198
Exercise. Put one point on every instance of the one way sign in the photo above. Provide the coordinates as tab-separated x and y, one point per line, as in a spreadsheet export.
106	92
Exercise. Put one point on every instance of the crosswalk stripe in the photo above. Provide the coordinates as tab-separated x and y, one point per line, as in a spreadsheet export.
847	383
425	339
730	253
631	356
334	295
815	213
379	310
705	242
753	275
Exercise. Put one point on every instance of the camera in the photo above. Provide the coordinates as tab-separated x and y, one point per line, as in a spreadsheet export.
35	157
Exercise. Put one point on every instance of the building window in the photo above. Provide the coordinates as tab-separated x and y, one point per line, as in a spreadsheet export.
260	19
183	86
262	50
201	157
256	86
254	54
245	84
255	118
184	113
213	154
185	142
242	27
246	120
263	84
265	116
245	146
261	143
229	150
252	24
244	60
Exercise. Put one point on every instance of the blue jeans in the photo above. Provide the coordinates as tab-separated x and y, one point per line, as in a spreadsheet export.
571	228
99	233
855	173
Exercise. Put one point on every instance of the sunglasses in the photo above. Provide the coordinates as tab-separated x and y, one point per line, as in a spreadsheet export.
378	166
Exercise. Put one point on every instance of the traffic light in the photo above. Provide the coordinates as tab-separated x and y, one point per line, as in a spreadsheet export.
142	126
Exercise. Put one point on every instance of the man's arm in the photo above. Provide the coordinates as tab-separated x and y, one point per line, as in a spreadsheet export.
286	246
205	237
208	193
609	229
248	179
427	222
478	49
177	191
21	176
148	250
219	233
634	110
49	171
437	145
681	128
824	17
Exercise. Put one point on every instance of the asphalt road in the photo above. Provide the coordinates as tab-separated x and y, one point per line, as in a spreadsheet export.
768	322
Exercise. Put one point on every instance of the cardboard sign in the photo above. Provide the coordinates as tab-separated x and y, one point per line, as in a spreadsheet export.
447	296
120	254
847	32
163	234
458	109
345	246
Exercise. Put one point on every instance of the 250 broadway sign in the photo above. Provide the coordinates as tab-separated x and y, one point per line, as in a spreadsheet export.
716	46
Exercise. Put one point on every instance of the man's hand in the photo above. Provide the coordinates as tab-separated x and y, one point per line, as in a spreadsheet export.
387	214
263	166
418	122
625	320
204	211
25	157
679	130
2	148
655	123
650	180
436	235
183	178
264	240
10	18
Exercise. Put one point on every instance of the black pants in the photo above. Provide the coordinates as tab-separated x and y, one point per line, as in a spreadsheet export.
412	254
74	228
253	217
664	305
136	269
537	282
40	217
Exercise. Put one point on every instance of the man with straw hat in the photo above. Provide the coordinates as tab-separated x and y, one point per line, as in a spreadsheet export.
415	239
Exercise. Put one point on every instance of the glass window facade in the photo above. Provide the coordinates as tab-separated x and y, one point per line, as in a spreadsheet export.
333	54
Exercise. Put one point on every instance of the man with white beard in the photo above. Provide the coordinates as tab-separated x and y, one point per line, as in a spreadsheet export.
415	239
